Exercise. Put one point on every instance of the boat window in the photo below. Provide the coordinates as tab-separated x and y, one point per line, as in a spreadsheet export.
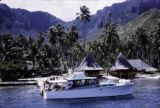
78	82
87	82
90	82
95	82
82	82
53	78
108	85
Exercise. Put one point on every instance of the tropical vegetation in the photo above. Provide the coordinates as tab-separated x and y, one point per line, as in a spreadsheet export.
58	49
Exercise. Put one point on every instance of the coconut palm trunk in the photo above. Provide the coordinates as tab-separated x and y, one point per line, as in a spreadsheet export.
84	38
84	17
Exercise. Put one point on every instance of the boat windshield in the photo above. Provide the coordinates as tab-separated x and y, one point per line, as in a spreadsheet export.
84	82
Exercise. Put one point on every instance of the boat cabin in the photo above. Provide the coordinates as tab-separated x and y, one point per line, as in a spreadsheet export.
74	80
79	79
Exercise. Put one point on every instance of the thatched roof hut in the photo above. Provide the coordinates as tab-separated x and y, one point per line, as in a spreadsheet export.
89	63
121	64
142	66
90	66
122	68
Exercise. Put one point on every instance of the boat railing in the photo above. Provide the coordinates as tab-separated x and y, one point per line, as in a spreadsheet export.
53	87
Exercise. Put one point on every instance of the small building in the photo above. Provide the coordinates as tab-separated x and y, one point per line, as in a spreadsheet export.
142	66
90	66
121	68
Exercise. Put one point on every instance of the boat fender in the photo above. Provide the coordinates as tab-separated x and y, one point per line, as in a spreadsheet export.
133	81
42	92
124	81
69	85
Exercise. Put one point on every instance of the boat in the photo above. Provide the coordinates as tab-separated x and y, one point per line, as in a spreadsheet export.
78	85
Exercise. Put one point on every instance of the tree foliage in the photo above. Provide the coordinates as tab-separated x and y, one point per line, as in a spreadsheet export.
59	47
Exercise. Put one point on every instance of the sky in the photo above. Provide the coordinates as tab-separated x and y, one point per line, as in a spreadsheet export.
63	9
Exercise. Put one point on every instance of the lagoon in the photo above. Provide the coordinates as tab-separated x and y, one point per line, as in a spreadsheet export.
146	95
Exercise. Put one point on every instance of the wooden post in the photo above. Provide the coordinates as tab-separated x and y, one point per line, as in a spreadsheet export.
0	76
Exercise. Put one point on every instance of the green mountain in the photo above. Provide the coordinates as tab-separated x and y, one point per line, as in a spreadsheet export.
20	21
121	13
147	21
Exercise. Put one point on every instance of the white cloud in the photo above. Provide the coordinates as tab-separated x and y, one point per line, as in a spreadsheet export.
64	9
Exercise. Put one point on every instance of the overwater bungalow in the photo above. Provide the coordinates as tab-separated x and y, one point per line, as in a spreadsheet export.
90	66
141	66
121	68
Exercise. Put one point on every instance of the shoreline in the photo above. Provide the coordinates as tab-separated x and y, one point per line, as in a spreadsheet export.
155	76
39	81
149	76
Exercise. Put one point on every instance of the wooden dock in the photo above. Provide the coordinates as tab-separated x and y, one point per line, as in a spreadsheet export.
27	81
18	83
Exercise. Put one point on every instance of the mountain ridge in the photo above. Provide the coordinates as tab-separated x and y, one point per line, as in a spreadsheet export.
122	13
148	21
21	21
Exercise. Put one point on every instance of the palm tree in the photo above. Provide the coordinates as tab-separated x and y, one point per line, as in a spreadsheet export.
6	42
56	39
84	17
110	36
111	39
56	35
71	39
155	45
72	36
39	41
128	48
20	46
32	53
96	49
30	40
21	41
141	40
77	53
52	36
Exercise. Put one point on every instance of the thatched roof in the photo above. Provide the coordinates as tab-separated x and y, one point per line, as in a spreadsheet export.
89	64
140	65
121	64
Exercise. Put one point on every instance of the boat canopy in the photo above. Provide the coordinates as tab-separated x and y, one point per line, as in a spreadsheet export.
79	76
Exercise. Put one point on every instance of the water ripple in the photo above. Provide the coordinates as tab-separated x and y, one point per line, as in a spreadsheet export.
146	95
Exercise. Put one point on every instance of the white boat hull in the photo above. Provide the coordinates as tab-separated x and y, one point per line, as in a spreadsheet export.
101	91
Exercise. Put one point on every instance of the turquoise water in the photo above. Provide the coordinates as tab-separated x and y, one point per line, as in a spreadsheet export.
146	95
